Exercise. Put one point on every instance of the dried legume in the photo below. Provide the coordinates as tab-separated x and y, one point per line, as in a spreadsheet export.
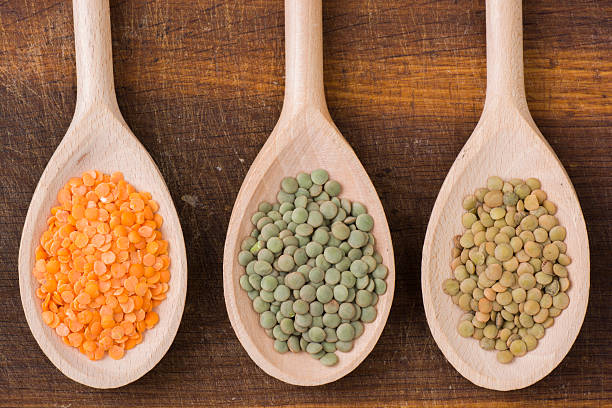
102	265
315	279
509	267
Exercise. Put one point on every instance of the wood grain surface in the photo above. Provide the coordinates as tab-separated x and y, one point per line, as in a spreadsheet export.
201	85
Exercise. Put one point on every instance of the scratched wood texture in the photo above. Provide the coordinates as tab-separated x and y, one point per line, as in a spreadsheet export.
201	85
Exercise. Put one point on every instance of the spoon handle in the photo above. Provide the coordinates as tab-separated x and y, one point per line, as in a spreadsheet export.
505	77
94	57
304	56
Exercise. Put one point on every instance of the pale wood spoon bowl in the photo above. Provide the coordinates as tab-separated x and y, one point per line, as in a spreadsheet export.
98	138
304	139
506	143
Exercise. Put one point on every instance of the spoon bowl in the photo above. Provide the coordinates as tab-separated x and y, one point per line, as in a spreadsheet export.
505	143
304	139
98	138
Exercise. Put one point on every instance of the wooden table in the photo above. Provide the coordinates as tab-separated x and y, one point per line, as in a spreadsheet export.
201	85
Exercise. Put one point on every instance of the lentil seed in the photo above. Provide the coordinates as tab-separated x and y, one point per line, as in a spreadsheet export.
312	269
509	267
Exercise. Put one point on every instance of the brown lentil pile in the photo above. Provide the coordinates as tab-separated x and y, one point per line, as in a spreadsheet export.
509	267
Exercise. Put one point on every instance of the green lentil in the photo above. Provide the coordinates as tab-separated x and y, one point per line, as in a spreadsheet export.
505	357
334	255
357	239
518	348
560	301
329	359
368	314
312	272
331	307
465	328
340	230
557	233
364	222
469	202
344	346
319	176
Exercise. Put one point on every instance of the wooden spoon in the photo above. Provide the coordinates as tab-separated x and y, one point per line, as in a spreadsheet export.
506	143
304	139
98	138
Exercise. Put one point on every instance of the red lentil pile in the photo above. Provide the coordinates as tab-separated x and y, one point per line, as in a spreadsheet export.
102	265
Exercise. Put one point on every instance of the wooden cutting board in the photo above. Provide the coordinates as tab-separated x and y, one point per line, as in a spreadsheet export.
201	85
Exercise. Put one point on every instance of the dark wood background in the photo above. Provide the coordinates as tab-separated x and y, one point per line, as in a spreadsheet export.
201	85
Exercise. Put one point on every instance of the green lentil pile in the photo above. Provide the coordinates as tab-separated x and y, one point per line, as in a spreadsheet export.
311	269
509	267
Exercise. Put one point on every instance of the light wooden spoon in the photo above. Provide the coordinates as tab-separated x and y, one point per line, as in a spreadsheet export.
98	138
507	143
304	139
